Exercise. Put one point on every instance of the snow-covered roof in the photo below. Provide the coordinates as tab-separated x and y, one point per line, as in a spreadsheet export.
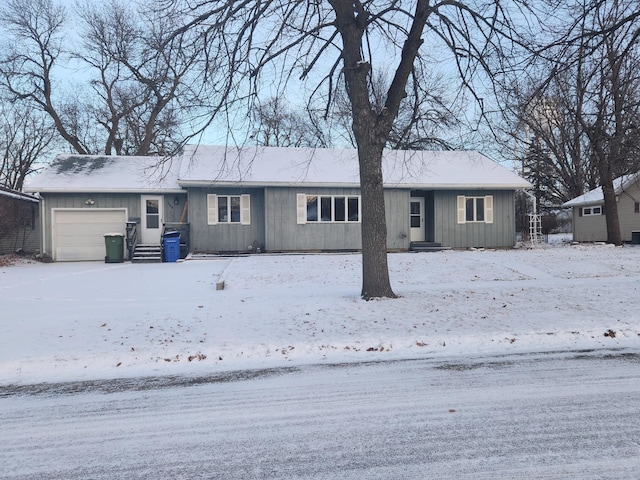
596	197
14	194
227	165
95	173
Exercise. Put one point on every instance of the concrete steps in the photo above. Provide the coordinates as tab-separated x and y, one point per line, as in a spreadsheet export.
147	254
426	247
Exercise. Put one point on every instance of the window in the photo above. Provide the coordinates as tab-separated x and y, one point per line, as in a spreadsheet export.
589	211
228	209
475	209
328	208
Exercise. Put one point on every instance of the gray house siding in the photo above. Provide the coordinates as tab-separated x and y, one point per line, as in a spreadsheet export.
283	233
274	222
225	237
129	201
397	203
499	234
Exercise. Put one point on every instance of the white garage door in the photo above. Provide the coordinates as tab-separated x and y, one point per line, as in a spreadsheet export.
79	234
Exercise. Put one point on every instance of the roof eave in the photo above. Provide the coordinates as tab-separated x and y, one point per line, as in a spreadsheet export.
103	190
413	186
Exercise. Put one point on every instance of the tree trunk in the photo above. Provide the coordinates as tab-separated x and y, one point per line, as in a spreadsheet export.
375	270
610	203
371	130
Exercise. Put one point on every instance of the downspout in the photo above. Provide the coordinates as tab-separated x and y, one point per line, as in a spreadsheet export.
42	227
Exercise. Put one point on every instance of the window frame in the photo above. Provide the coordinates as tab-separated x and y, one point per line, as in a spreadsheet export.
328	201
462	209
591	210
213	211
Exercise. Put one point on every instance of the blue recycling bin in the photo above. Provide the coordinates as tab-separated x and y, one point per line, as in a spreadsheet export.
171	246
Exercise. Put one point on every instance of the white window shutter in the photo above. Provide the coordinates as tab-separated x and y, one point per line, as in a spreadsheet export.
462	212
488	209
245	209
212	209
301	199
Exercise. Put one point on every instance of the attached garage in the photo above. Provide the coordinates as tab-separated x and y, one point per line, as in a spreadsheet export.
78	234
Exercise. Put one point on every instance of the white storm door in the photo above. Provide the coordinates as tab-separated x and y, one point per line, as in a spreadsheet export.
151	219
417	219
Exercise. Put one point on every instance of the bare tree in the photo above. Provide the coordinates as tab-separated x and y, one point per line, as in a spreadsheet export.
426	118
549	138
26	67
614	88
346	41
586	109
144	76
277	124
136	89
26	138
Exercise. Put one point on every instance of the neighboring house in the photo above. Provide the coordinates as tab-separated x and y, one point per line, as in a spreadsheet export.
19	225
589	221
275	199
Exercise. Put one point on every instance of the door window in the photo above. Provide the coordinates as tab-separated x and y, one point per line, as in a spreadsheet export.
153	213
415	214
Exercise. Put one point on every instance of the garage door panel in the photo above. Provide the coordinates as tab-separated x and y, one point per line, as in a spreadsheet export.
79	235
79	254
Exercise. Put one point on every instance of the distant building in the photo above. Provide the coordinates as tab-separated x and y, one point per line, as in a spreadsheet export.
589	221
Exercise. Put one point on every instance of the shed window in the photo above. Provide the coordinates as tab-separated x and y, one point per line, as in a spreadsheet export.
328	208
229	209
589	211
475	209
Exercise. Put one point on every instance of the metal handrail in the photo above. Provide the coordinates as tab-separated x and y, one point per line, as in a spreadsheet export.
132	237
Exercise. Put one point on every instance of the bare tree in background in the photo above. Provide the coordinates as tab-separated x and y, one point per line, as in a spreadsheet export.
277	124
426	118
144	76
610	65
590	99
135	89
346	41
26	138
550	136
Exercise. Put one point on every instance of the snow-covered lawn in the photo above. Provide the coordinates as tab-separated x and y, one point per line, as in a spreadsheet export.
72	321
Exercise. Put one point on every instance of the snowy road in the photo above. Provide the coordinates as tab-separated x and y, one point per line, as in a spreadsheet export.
525	416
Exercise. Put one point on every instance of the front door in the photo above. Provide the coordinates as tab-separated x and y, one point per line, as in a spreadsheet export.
417	219
151	221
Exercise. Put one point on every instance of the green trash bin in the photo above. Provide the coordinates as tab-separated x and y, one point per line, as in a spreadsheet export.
115	247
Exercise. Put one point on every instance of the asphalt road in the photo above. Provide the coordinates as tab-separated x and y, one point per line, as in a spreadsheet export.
522	417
